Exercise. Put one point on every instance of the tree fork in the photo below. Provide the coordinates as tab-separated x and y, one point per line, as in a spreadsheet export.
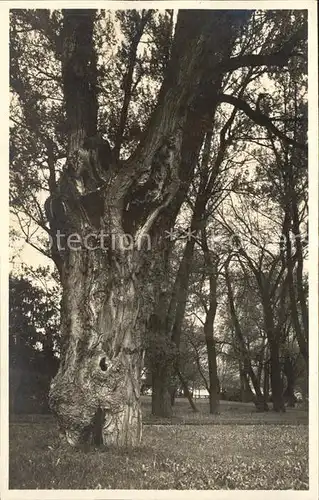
95	394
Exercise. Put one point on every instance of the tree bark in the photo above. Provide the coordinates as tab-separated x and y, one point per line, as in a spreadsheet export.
202	112
101	358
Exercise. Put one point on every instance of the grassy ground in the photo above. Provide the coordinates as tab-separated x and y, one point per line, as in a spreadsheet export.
245	450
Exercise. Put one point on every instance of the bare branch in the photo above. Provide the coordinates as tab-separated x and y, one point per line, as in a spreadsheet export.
279	58
260	119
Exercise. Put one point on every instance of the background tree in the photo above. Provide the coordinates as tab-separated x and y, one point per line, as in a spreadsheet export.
34	339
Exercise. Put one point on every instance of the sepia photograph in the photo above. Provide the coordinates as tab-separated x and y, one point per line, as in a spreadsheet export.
159	272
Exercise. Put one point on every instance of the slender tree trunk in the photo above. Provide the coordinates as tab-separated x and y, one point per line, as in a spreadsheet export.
305	392
301	332
241	379
247	394
213	376
274	350
273	333
266	382
176	312
301	335
299	273
259	401
211	353
128	80
289	393
275	377
261	359
173	391
212	271
186	391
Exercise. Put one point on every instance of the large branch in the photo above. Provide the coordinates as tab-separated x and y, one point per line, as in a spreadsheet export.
79	73
195	54
224	143
260	119
279	58
128	79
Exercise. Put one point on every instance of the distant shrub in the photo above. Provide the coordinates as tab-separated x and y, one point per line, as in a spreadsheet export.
29	392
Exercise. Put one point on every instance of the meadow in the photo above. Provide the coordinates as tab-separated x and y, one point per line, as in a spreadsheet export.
237	449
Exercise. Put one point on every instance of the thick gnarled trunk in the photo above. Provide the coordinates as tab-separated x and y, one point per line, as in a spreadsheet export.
97	388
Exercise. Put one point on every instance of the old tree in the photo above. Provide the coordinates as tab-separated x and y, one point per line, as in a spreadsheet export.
116	183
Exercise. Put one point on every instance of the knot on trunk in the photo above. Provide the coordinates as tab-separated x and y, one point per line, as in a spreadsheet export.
89	166
154	188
